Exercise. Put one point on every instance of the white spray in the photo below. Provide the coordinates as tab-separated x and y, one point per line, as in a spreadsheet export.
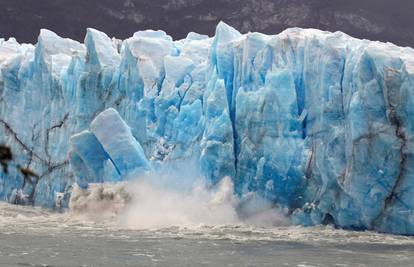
168	198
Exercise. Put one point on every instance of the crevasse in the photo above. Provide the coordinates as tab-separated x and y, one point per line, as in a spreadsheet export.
319	123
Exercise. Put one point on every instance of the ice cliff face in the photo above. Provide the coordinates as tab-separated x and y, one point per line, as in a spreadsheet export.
319	123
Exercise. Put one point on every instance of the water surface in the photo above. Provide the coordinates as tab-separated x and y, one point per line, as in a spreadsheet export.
35	237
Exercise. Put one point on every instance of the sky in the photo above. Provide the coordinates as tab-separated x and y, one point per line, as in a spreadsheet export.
384	20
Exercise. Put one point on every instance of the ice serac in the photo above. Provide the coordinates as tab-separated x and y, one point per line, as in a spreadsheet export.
107	152
319	123
87	158
117	140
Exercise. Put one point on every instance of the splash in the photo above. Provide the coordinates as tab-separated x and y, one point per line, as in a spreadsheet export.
99	201
171	198
157	207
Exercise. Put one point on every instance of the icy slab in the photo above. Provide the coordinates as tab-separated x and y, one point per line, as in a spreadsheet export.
90	161
318	123
106	153
176	68
99	49
159	34
117	140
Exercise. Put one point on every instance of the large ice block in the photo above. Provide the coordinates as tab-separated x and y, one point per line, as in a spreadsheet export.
116	138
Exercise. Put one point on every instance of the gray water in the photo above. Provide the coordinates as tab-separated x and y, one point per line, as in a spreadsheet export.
35	237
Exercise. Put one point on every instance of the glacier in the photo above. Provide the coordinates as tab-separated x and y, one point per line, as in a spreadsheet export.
320	124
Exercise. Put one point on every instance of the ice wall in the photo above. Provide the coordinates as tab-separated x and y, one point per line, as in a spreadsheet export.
319	123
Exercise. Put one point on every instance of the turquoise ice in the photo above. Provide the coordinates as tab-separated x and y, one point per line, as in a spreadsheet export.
319	123
108	152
